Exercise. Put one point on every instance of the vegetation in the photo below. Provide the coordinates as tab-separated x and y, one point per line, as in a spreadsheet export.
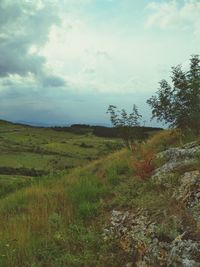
59	220
128	125
29	153
179	104
58	186
102	131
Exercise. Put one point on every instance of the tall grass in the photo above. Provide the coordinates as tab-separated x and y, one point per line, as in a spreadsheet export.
58	222
43	225
85	195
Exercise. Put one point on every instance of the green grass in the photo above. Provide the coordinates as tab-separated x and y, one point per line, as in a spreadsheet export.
25	149
9	184
85	195
25	159
58	221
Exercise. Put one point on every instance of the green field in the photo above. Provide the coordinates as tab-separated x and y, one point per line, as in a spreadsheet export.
29	152
60	193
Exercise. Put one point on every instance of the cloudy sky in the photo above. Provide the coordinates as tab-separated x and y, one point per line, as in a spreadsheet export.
65	61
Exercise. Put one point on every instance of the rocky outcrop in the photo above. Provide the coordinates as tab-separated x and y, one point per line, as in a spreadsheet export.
177	157
189	192
138	235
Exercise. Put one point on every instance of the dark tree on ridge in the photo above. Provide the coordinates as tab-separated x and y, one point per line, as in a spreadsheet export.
178	103
128	125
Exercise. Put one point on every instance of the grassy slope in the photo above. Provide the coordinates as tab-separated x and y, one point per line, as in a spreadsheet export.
53	223
26	150
59	222
41	147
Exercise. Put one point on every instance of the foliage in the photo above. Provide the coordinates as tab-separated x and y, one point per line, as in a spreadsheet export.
59	221
128	125
144	166
121	118
100	131
179	104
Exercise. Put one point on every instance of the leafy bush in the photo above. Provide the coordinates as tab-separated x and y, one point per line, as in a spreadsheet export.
178	103
144	166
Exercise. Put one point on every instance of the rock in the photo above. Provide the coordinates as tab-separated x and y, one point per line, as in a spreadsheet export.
171	166
180	153
136	233
176	157
189	190
191	145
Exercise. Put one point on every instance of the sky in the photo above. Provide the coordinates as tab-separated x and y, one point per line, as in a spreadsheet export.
65	61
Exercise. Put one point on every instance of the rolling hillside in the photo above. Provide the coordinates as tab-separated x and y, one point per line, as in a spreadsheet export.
27	153
123	209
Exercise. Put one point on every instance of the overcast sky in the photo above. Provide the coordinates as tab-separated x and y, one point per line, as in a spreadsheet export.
65	61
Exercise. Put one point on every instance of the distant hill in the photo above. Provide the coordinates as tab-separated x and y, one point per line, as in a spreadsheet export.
35	123
101	131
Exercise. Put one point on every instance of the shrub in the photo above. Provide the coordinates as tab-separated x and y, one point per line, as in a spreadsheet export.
144	166
144	169
178	103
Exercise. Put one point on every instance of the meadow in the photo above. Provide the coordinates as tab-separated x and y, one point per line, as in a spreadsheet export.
58	219
29	153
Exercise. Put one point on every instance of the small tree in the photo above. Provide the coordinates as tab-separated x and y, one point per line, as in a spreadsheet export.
178	103
128	125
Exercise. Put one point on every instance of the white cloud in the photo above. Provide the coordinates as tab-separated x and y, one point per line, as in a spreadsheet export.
101	61
173	15
90	51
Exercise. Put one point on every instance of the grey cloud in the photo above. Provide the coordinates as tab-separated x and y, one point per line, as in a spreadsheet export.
17	92
23	24
53	81
62	106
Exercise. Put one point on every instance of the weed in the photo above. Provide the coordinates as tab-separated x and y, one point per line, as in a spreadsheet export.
113	177
55	220
144	166
169	229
